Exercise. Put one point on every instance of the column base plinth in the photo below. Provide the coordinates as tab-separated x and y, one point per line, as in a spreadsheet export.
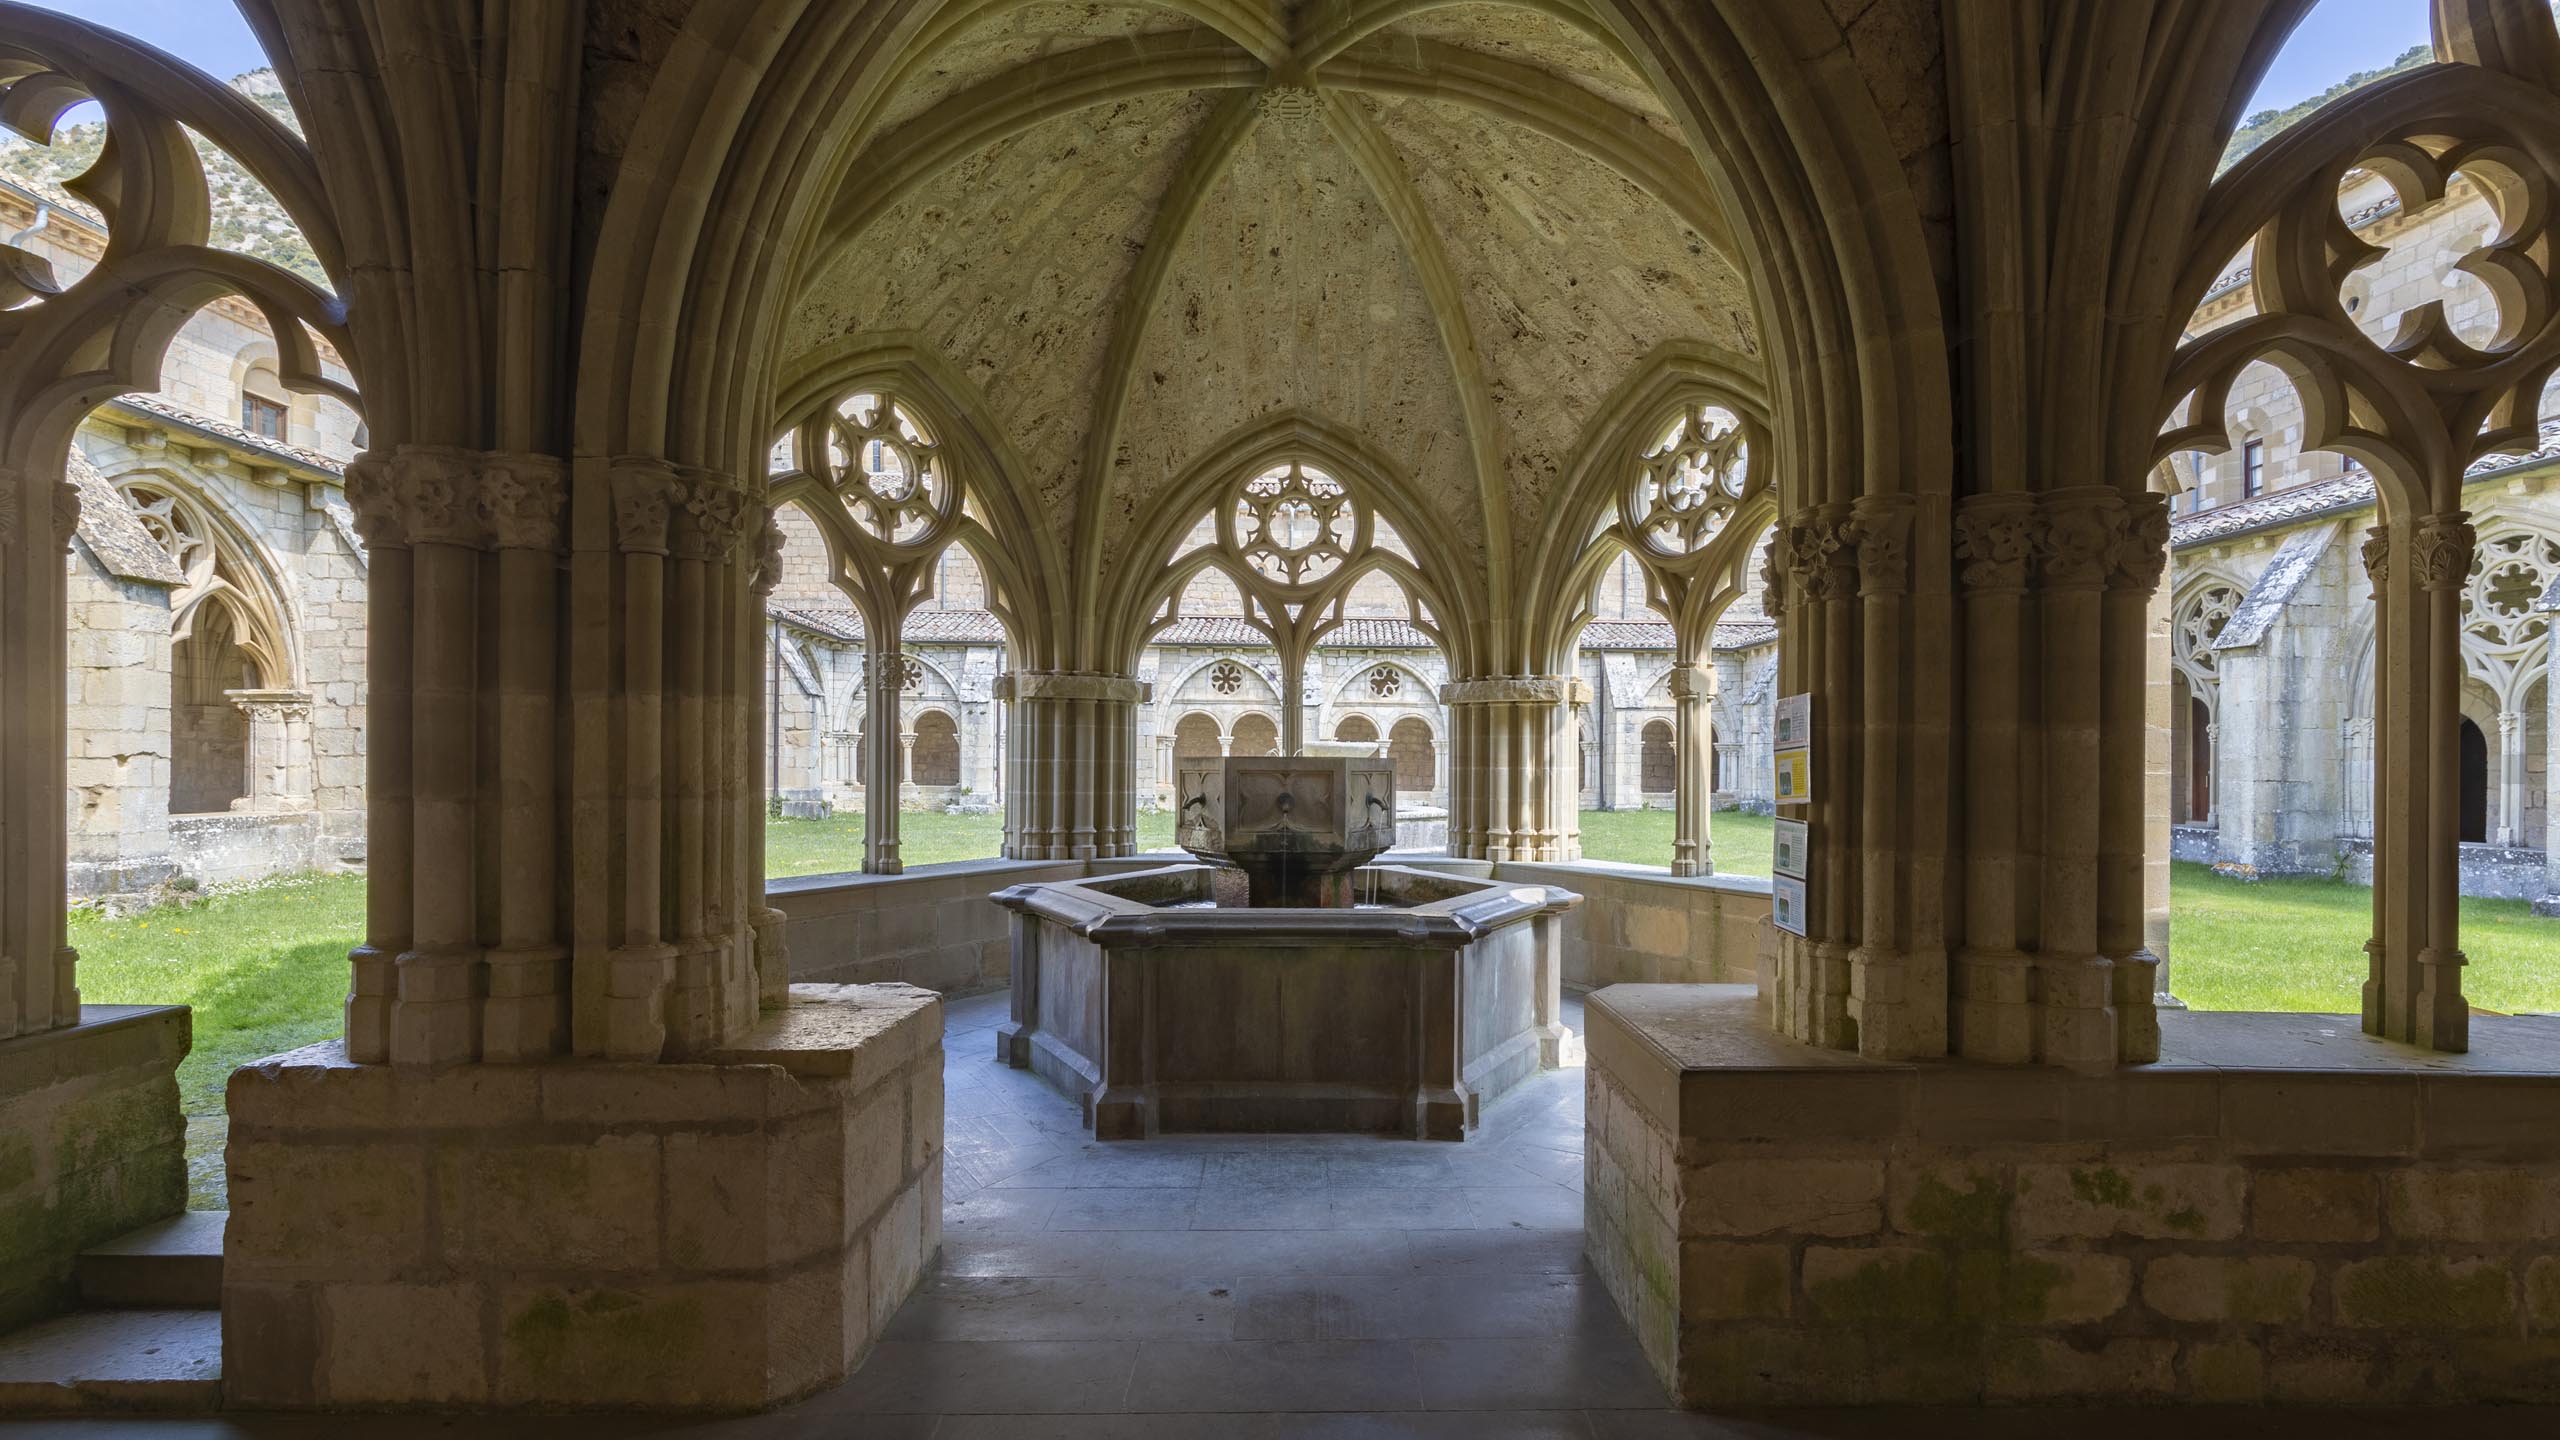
719	1235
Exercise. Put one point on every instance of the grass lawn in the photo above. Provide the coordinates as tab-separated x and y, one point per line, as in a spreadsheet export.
1737	843
833	846
2297	943
265	969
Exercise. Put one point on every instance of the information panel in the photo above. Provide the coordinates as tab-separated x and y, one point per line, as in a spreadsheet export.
1786	904
1787	851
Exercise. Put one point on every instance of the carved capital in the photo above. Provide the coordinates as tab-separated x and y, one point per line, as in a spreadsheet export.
1817	558
2440	552
769	542
1692	682
709	517
66	513
522	496
2082	534
375	501
2142	544
2377	558
644	494
1880	527
1773	582
1997	537
1517	690
1070	685
437	488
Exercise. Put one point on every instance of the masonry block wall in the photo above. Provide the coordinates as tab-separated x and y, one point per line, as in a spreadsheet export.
1874	1234
91	1145
690	1237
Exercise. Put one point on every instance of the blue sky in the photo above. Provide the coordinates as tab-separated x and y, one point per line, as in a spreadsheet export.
2340	37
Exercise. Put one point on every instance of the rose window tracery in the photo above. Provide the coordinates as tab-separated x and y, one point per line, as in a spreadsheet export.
1384	682
1293	524
2200	623
885	467
910	674
1692	481
2509	572
1226	677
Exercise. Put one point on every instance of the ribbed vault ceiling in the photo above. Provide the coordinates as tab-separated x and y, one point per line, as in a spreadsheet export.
1470	227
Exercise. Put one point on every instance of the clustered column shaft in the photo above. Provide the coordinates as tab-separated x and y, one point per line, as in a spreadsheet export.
2413	987
1509	797
38	987
1071	751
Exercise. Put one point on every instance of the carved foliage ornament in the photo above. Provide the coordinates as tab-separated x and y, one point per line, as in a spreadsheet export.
2440	551
441	495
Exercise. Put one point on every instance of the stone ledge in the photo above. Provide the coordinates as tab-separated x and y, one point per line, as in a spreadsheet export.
2282	1210
585	1234
2272	1083
92	1145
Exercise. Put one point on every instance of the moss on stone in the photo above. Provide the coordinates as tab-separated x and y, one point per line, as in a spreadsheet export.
564	1335
1898	1288
2186	1220
1978	1214
2103	1186
2422	1293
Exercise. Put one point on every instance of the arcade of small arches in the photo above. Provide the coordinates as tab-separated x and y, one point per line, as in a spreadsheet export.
806	402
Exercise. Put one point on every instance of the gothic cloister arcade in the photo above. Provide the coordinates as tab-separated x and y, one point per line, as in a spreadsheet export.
1871	318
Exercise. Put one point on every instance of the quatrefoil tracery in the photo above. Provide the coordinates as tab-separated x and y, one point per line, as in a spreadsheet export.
2409	390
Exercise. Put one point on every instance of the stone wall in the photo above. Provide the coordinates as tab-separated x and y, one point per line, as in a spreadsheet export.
1784	1225
91	1145
714	1236
1643	925
933	926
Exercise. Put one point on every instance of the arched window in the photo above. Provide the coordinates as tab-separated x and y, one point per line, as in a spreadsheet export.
266	410
1196	737
1660	770
1257	734
1417	759
1358	729
2475	784
2199	795
937	753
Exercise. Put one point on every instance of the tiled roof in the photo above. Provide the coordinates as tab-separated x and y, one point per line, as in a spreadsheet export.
157	408
1378	635
111	531
931	627
1210	630
2351	491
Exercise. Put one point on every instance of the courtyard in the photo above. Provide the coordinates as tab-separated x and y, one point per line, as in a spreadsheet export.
263	966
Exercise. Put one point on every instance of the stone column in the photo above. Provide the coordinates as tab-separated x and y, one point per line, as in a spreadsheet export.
1508	797
38	988
2549	903
884	759
1992	1016
2130	798
2511	773
2075	982
526	1016
279	749
1693	693
2159	754
2413	991
1072	755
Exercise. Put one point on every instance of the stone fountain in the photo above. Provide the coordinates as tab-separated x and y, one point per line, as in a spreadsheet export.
1285	982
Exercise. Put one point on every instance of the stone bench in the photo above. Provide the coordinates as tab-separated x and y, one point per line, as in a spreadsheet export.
706	1236
2282	1209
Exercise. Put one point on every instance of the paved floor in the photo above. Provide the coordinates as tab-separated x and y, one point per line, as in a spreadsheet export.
1279	1288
